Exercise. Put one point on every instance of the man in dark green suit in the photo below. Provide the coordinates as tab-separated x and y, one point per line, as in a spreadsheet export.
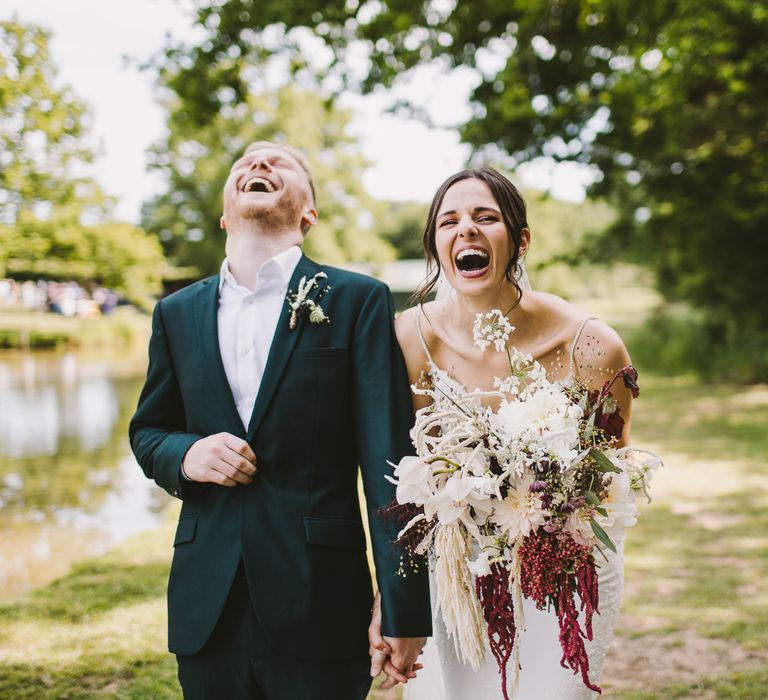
268	385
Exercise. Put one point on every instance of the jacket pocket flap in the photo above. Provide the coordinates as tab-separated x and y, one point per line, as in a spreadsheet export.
185	532
320	353
334	533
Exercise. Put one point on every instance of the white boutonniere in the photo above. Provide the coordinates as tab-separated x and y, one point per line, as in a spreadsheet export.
302	306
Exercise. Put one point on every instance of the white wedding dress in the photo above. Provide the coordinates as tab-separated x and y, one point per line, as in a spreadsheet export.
446	677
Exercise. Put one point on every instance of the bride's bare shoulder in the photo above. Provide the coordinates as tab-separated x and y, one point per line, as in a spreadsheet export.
600	351
428	318
405	327
408	322
598	347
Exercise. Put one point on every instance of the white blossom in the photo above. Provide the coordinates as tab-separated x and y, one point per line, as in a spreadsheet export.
492	328
521	512
317	315
619	503
481	565
578	525
412	481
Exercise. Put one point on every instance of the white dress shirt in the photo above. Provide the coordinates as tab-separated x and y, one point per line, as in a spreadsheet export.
247	321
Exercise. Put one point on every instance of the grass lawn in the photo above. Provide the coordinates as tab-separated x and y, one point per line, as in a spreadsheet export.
694	622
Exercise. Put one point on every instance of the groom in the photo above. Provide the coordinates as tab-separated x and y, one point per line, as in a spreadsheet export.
268	385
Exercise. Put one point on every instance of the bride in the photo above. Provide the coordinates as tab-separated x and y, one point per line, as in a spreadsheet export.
475	239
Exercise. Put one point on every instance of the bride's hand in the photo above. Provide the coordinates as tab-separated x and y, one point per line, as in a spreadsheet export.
379	651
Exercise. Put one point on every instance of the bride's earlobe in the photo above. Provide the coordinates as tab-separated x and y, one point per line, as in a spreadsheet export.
525	242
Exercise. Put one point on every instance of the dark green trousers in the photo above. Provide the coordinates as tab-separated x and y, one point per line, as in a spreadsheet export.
237	663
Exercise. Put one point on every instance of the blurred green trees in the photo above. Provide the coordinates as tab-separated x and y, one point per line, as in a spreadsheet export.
54	219
665	100
402	225
559	232
196	160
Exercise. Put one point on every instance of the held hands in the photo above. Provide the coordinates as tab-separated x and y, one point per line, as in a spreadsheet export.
222	459
396	656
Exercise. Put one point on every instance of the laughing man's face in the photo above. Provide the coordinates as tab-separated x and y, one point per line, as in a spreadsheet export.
268	183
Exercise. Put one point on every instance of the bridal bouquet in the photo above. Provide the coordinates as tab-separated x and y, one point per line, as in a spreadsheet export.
515	492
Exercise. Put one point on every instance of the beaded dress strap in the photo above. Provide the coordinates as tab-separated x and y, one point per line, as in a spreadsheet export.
421	336
572	359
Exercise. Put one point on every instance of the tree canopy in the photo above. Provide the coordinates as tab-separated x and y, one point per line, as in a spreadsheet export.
666	100
54	219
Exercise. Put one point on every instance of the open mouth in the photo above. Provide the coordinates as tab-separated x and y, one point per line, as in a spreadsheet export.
258	184
472	262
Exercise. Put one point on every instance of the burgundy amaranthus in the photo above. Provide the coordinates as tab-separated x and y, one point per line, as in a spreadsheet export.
499	613
554	569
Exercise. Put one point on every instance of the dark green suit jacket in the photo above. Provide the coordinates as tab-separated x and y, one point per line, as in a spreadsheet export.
334	396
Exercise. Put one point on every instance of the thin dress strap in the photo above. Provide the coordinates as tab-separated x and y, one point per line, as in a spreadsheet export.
572	359
421	336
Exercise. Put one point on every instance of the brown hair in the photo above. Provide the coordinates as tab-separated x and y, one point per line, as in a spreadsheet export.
512	206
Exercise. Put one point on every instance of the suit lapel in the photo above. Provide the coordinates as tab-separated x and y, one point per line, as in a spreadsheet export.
206	314
283	344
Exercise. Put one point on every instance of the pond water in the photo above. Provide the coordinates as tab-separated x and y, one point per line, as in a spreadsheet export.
69	485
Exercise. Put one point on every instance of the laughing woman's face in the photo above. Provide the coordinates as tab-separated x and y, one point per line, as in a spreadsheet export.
472	241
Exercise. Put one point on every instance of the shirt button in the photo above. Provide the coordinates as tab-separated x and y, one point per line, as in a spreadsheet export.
245	350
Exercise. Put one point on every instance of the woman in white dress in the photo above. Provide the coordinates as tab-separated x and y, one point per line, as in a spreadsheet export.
475	238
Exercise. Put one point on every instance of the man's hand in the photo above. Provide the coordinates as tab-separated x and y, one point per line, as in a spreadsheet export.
402	658
222	459
396	656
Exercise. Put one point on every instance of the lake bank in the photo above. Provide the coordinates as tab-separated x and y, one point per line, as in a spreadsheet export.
69	486
125	330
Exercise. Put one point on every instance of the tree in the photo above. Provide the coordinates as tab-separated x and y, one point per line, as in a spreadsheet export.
53	218
402	224
666	100
127	259
42	133
559	231
196	161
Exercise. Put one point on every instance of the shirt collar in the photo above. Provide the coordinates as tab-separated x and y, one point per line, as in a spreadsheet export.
280	266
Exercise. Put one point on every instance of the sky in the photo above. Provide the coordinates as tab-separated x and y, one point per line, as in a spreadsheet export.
89	43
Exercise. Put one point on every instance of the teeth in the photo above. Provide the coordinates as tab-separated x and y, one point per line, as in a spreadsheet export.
251	184
471	251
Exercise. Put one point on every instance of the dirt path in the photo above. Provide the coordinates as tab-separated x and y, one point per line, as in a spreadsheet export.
660	659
